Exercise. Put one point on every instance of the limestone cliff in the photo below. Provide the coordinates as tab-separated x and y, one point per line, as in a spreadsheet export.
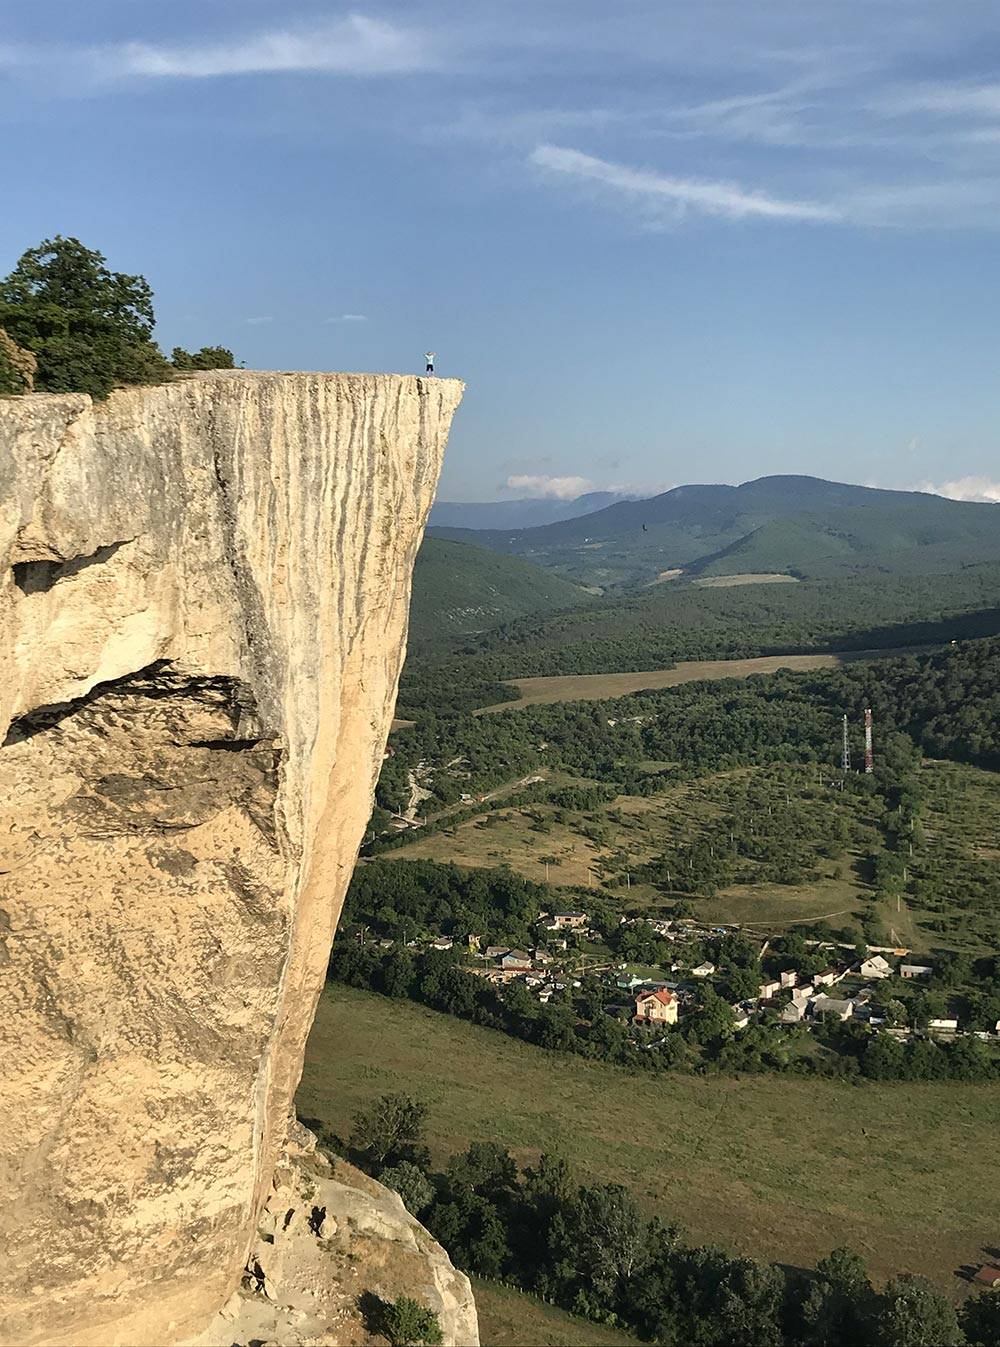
203	597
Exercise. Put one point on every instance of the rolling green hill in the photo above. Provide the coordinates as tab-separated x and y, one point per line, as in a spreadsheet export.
459	590
799	526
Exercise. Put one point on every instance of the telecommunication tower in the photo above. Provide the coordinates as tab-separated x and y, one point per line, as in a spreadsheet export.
869	756
845	757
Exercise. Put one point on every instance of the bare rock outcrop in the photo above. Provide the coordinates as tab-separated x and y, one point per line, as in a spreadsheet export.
330	1236
203	598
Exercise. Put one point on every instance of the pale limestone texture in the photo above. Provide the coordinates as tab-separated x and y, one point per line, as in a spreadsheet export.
203	598
329	1236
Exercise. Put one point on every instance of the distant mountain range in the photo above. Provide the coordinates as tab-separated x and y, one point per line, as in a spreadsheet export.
789	525
518	514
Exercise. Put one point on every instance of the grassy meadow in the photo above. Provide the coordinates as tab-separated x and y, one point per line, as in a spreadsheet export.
771	1166
509	1318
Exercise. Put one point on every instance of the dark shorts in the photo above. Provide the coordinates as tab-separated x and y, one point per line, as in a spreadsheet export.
430	369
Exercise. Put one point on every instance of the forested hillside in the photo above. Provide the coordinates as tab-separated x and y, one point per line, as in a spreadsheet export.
655	629
460	590
795	525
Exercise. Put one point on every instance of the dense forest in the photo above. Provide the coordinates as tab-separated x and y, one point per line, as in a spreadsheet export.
947	704
647	631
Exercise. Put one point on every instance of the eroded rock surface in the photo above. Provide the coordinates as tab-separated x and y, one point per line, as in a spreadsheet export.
203	595
328	1237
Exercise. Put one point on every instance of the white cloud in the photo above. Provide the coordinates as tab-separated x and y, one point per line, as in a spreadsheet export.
727	200
347	318
562	488
258	321
355	45
966	488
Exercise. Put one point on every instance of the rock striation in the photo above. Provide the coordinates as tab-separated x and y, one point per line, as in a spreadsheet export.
203	600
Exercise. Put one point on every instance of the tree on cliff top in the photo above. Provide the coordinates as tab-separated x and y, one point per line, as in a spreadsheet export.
209	357
89	328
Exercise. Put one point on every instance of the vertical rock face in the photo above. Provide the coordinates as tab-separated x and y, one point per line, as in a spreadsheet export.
203	597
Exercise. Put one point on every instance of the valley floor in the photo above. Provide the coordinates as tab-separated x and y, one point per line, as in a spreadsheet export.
770	1166
605	687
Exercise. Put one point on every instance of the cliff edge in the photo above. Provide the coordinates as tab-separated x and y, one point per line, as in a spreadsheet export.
203	600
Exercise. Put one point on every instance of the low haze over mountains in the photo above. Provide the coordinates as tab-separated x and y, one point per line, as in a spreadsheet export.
518	514
795	526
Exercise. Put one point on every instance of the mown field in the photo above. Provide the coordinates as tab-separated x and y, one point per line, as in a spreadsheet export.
769	1166
509	1318
605	687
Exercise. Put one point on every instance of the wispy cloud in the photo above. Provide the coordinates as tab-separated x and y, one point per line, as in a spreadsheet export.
347	318
561	488
677	195
965	488
259	320
355	45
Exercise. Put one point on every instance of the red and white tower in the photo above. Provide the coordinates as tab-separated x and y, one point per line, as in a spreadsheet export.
869	756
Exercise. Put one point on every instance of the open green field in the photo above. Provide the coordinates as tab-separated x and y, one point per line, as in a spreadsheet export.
606	687
509	1318
771	1166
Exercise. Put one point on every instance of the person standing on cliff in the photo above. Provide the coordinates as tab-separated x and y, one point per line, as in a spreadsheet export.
429	357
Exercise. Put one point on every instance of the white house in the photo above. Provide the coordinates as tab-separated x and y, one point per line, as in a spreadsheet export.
704	970
876	968
914	970
943	1026
768	989
830	1005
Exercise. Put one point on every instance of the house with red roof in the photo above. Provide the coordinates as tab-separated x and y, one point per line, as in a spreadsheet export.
656	1007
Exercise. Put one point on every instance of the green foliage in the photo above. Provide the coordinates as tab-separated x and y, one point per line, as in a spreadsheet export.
17	367
208	357
980	1318
410	1183
89	328
590	1249
390	1131
913	1313
404	1321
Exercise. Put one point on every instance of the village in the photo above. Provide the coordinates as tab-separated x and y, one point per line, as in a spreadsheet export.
873	989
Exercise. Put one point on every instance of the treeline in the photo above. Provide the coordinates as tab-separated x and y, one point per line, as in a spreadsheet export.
688	623
400	900
586	1022
946	704
589	1249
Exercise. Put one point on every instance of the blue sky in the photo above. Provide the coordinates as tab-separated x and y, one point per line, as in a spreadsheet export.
663	241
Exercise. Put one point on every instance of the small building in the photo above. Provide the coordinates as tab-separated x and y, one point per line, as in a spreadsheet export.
946	1026
659	1007
628	982
704	970
495	951
828	977
567	921
788	978
876	967
988	1275
768	989
823	1005
793	1013
914	970
515	959
741	1017
443	942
